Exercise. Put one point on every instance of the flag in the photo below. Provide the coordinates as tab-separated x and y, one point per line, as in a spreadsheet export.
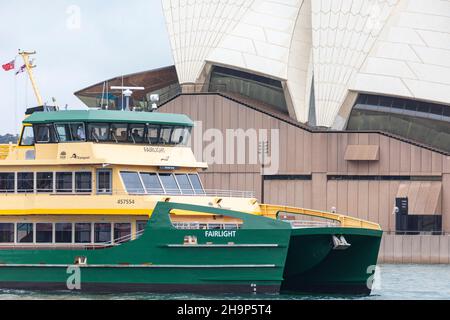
9	66
22	69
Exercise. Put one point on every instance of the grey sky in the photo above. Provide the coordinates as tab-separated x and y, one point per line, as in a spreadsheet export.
115	37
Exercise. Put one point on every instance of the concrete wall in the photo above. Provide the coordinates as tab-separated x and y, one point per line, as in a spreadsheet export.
321	154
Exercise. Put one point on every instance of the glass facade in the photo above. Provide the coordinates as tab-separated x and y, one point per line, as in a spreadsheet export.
426	123
249	85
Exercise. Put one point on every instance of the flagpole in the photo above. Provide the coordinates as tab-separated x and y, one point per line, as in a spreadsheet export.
25	56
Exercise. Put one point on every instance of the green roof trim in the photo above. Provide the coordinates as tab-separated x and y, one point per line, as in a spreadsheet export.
109	116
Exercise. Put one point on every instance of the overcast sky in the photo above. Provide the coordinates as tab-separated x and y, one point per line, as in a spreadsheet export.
78	43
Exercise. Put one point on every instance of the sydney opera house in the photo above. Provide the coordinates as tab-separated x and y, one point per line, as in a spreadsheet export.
359	91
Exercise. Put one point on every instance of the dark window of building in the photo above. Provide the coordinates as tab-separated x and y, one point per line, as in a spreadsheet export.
102	232
7	181
122	232
64	182
152	183
25	233
83	182
63	233
185	184
419	121
44	232
6	232
169	183
25	182
196	183
266	90
132	182
104	181
83	232
44	182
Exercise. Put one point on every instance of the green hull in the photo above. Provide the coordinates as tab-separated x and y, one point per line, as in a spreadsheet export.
265	255
250	261
313	266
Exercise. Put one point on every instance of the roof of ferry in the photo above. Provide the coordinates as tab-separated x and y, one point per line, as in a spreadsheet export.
109	116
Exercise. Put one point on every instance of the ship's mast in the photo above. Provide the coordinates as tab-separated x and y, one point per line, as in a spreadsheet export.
26	59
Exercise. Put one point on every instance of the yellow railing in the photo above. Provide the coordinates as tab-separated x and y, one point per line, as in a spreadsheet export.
272	211
5	150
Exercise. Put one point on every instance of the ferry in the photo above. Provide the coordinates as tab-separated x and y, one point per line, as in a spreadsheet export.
112	201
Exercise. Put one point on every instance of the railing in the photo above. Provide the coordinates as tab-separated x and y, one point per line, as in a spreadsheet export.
299	224
345	221
197	193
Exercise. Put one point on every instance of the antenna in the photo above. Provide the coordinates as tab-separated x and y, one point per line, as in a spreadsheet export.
127	92
29	66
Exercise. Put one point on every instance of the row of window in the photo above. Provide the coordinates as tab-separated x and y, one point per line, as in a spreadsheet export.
67	233
162	183
105	132
54	182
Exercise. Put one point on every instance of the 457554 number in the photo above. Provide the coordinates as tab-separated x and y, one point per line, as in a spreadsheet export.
126	201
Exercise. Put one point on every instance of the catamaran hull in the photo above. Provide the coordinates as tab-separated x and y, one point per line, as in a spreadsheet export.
313	264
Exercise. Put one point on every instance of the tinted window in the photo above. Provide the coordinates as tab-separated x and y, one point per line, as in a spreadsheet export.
83	182
25	182
98	132
45	134
104	181
44	182
169	183
196	183
102	232
119	132
141	225
152	183
6	232
137	134
64	182
71	132
153	134
63	233
25	233
7	181
184	183
44	232
27	138
122	232
166	135
132	182
180	136
82	233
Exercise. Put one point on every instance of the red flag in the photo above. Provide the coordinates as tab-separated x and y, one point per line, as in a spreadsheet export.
9	66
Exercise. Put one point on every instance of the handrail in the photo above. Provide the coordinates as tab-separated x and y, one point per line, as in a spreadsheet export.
272	211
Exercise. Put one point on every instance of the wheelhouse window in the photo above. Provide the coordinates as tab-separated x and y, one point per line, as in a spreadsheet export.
7	181
180	136
196	183
25	182
137	133
119	132
44	233
25	233
71	132
102	232
132	182
6	232
44	182
63	232
27	138
45	134
64	182
122	232
83	182
98	132
153	134
83	232
165	135
152	183
185	184
169	183
104	181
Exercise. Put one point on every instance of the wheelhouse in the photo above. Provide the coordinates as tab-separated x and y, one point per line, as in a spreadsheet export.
103	126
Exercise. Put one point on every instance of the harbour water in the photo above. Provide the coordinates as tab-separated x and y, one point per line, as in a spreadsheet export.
393	282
